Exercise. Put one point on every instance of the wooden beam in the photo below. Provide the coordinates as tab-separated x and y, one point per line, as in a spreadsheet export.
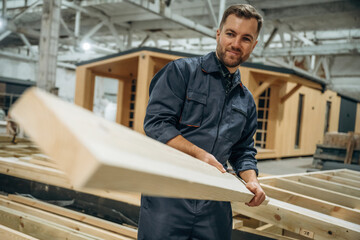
337	179
237	223
68	218
96	153
33	172
108	75
31	225
298	219
145	74
258	91
316	192
11	234
264	234
289	94
324	207
55	177
337	187
348	176
84	89
119	101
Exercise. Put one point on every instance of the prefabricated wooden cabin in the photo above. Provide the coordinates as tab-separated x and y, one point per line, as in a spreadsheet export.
294	111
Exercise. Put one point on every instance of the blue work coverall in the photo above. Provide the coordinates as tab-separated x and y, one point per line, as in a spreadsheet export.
187	97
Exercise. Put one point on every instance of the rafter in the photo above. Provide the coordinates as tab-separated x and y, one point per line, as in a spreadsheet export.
167	14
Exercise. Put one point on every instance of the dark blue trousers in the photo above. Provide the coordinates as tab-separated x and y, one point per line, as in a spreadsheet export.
184	219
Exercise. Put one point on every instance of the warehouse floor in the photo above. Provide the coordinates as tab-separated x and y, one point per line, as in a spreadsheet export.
285	166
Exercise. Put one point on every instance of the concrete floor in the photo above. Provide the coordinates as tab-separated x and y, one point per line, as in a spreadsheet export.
285	166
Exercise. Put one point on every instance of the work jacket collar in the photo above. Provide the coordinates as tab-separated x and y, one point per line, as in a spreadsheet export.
209	64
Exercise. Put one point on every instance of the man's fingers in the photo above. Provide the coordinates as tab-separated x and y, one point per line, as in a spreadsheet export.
219	166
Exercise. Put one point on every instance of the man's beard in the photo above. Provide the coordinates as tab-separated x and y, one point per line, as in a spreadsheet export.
221	55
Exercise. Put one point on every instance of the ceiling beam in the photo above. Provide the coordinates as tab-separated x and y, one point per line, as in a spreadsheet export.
167	14
325	49
310	10
211	12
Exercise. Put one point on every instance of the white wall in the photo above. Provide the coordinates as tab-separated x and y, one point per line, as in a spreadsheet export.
105	88
27	70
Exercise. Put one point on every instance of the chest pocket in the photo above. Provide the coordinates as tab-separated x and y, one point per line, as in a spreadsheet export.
193	110
237	121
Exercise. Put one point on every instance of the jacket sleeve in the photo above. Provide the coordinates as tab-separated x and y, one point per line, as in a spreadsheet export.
166	98
243	152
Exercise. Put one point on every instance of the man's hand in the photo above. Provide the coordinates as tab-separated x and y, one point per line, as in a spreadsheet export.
259	197
210	159
249	176
180	143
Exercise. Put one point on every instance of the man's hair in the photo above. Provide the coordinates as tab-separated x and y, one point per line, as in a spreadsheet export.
242	11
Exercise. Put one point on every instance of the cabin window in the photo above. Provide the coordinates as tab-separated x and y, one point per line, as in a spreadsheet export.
299	120
132	104
262	121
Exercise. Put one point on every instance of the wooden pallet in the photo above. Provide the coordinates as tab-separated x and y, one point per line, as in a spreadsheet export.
338	147
319	205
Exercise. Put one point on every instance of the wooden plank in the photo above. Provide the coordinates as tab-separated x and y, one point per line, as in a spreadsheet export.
350	148
337	179
289	94
11	234
55	177
145	74
348	176
337	187
105	155
107	225
295	219
324	207
237	223
265	234
38	228
84	90
59	219
33	172
351	172
119	101
263	87
316	192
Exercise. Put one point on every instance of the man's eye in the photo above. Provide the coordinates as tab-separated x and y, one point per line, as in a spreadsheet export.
247	39
230	34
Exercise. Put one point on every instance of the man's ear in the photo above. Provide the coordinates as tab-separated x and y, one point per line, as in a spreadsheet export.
217	34
255	45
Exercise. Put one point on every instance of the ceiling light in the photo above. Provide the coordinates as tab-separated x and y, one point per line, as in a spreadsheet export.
2	24
86	46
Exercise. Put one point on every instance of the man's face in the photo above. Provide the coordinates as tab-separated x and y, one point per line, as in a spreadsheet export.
236	40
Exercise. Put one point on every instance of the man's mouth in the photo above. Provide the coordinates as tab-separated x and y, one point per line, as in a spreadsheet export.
234	53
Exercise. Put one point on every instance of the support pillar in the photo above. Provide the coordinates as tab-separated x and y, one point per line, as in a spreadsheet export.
145	74
49	37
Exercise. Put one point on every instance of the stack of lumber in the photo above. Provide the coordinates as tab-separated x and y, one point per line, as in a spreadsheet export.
25	218
338	147
320	205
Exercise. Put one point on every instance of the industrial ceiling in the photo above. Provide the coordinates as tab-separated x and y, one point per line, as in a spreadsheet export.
320	38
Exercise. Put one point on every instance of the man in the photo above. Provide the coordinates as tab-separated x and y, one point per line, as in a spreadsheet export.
199	106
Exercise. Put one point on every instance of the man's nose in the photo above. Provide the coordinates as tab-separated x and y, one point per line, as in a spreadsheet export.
236	44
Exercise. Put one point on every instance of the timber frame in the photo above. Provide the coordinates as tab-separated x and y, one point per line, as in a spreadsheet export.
319	205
